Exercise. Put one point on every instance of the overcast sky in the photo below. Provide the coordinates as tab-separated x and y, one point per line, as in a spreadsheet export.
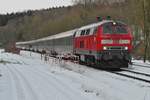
21	5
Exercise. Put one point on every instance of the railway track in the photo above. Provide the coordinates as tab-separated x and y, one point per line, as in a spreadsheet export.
135	72
139	65
133	75
144	77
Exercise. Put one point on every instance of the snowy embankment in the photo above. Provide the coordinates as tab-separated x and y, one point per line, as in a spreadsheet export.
27	77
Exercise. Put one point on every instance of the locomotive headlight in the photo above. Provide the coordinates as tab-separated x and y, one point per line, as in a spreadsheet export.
107	41
126	48
124	41
114	23
104	48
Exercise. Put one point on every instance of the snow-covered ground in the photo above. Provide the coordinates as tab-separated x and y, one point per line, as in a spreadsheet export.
27	77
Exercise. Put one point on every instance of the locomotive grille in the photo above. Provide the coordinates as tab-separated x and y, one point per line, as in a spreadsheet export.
116	48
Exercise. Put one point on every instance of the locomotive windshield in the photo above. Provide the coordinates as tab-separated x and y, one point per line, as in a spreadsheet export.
114	28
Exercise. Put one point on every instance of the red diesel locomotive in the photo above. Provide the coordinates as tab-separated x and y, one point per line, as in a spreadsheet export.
106	44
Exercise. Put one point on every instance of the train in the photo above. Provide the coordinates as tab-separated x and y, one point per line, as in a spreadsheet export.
105	44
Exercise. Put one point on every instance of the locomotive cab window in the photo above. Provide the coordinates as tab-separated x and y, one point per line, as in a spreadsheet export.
121	29
114	28
107	28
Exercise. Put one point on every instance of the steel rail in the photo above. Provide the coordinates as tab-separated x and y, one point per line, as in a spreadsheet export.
141	65
132	77
148	75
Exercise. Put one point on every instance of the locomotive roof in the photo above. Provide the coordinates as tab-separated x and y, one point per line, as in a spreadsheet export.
96	24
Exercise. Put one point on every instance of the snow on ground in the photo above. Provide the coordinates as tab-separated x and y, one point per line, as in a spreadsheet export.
145	70
27	77
141	62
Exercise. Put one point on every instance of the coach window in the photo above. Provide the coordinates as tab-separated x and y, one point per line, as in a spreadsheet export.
82	32
87	31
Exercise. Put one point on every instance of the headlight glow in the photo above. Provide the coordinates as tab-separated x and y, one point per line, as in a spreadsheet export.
104	48
126	48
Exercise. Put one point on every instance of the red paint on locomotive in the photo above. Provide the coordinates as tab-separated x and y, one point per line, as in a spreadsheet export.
110	36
